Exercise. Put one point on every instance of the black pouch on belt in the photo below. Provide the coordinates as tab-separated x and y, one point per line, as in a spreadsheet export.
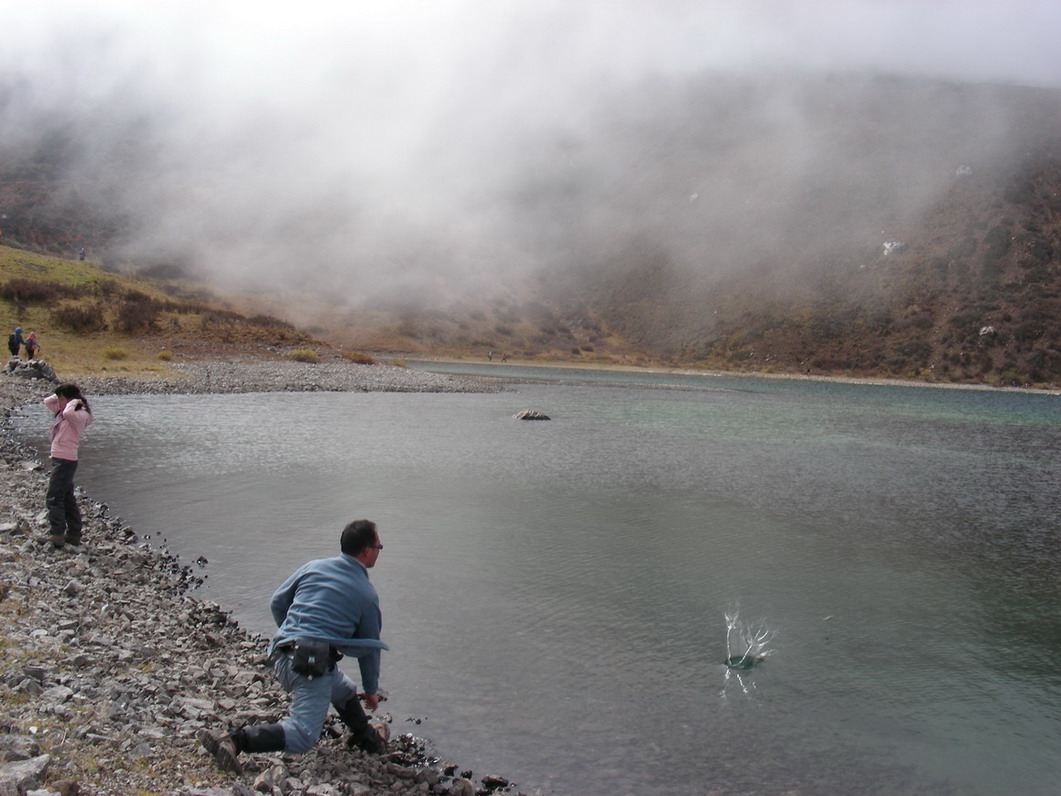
312	658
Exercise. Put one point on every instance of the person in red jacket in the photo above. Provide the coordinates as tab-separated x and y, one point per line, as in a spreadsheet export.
32	346
71	416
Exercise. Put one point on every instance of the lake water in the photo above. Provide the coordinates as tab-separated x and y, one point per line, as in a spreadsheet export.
555	594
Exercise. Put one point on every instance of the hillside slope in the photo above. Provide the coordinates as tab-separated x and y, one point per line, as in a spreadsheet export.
91	322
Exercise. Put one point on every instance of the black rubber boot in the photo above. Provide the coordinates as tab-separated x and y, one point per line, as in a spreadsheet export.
225	747
362	734
353	715
260	738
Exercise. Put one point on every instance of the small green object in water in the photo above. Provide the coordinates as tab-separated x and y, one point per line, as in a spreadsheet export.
743	661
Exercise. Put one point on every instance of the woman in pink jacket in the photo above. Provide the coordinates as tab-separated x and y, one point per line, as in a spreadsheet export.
72	417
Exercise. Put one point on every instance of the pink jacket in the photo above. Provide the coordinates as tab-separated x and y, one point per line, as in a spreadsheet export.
67	427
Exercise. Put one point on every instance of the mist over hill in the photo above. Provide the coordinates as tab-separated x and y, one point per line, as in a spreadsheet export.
899	227
823	223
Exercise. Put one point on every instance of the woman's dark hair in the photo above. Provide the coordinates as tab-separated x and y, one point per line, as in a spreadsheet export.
358	535
72	391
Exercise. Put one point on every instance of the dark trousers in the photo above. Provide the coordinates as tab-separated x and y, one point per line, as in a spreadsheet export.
63	514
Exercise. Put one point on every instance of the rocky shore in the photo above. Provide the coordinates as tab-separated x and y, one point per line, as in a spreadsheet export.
247	375
110	663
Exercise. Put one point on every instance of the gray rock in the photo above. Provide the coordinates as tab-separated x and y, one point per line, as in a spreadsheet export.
22	775
270	778
494	782
57	694
530	414
35	672
140	751
461	787
31	369
18	747
30	686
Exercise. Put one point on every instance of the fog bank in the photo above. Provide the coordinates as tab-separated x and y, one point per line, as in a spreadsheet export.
415	148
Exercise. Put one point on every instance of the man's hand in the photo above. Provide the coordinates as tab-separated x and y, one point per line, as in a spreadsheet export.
371	700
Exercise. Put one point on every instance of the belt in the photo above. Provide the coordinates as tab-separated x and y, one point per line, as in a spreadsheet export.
288	648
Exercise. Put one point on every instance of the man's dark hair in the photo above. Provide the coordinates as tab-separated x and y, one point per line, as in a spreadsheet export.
357	536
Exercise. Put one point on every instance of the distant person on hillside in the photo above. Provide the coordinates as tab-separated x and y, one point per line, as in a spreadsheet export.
32	346
71	416
326	609
14	341
81	254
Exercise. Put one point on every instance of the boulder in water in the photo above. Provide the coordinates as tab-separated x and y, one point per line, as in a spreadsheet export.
531	414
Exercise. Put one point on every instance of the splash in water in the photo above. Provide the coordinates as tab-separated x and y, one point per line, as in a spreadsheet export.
747	646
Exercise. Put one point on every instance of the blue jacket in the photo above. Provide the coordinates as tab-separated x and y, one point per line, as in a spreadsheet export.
332	600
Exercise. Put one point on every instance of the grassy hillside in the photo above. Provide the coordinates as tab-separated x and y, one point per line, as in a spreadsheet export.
91	322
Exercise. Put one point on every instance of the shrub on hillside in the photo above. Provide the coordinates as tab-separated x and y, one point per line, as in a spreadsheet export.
916	351
1030	330
27	291
114	353
137	312
107	287
269	321
80	319
1044	364
305	355
1036	250
359	358
210	319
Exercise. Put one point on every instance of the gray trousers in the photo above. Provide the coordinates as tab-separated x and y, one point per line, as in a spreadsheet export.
63	514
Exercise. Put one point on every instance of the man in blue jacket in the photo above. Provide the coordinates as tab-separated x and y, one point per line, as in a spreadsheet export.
326	609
